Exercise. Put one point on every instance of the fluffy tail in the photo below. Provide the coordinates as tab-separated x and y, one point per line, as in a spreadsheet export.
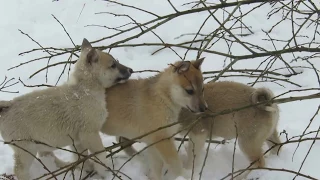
264	94
4	105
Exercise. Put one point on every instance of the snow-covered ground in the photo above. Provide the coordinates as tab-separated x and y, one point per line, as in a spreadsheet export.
34	18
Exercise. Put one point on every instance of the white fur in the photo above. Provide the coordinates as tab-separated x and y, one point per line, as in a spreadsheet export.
57	116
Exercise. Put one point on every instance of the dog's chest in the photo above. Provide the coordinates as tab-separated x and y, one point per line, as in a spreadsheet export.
93	106
100	108
172	117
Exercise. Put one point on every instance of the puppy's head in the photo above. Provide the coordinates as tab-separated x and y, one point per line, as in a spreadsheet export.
187	87
103	66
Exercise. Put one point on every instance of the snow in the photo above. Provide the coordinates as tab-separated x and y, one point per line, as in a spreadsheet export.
35	19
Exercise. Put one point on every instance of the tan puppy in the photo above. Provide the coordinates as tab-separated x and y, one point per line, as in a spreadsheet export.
143	105
255	125
56	116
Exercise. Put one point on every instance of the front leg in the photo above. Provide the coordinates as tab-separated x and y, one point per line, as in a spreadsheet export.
93	143
168	153
155	163
195	145
59	163
79	153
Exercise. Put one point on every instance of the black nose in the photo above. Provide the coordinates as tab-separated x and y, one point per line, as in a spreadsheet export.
130	70
202	108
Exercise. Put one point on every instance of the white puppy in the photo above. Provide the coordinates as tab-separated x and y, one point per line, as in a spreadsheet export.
74	111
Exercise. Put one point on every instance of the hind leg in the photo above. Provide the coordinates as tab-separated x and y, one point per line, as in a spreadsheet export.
195	145
274	138
252	148
23	161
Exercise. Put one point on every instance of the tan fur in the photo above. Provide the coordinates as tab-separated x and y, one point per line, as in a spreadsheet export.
56	116
143	105
255	125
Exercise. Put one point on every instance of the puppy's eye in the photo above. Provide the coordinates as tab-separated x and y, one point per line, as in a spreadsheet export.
113	65
190	91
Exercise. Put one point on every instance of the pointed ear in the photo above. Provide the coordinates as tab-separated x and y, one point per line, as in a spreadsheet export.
85	44
92	56
182	67
197	63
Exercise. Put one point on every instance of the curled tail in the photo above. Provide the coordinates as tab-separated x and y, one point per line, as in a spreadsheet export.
4	105
264	94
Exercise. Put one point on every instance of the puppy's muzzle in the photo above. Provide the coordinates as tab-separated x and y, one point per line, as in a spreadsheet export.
202	108
125	75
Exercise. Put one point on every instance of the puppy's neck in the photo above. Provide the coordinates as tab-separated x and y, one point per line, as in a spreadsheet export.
84	78
162	89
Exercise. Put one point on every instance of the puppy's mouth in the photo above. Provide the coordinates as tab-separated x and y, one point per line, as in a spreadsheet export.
190	109
197	113
121	79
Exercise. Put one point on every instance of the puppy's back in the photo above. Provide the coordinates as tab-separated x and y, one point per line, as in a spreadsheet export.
227	95
126	113
56	109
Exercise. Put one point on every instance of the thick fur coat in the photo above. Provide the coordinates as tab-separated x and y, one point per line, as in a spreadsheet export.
144	105
253	126
57	116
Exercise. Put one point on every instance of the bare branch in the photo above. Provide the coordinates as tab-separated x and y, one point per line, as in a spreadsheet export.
64	30
6	83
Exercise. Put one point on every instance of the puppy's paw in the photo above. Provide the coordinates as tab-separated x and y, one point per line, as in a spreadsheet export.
101	170
189	164
186	173
181	178
45	154
87	166
195	176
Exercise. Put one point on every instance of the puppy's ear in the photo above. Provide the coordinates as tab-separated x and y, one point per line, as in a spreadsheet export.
92	56
85	44
182	67
197	63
